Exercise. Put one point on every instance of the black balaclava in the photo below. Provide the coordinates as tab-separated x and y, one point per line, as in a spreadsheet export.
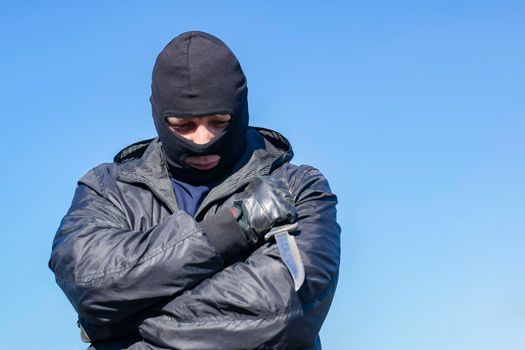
196	74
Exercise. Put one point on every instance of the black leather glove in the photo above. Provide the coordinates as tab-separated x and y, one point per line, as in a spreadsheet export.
266	202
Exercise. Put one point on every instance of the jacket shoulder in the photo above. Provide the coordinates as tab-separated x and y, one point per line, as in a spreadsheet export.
100	178
295	173
303	179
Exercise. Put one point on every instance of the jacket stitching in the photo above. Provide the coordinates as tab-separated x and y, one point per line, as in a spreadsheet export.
238	317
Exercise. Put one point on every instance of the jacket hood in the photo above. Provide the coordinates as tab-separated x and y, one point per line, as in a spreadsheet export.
144	162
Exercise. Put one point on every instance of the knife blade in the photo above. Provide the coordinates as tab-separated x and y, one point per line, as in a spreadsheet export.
289	251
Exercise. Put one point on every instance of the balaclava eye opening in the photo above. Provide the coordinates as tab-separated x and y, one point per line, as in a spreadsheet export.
196	74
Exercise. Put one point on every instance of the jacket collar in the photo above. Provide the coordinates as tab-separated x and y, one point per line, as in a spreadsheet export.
150	170
265	150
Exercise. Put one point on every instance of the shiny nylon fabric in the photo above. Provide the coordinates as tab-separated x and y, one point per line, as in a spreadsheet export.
196	74
130	261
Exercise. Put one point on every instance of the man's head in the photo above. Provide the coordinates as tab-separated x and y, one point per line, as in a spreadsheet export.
198	94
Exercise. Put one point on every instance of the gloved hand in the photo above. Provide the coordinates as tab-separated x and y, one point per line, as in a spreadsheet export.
266	202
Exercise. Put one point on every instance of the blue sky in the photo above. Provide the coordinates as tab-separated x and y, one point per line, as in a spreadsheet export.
415	112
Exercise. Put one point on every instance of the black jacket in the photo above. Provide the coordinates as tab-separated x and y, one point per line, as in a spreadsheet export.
141	273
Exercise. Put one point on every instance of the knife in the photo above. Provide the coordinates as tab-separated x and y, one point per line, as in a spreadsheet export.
289	251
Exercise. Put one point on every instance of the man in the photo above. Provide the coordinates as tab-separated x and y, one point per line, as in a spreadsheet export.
164	248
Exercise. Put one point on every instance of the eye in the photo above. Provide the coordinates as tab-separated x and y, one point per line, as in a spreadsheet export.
181	128
220	123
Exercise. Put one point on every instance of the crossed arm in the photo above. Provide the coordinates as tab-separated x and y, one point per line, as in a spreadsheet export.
172	284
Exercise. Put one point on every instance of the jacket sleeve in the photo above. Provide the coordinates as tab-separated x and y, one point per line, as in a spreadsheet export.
253	304
110	272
